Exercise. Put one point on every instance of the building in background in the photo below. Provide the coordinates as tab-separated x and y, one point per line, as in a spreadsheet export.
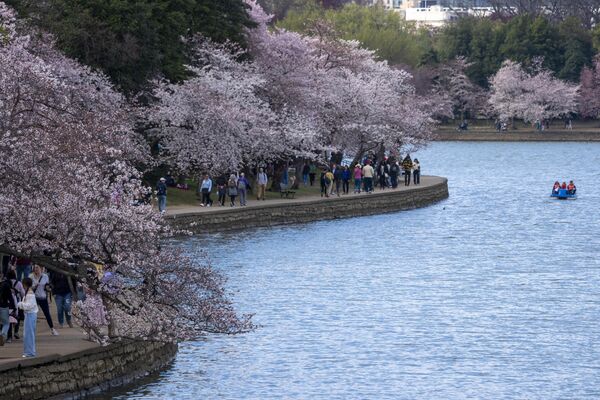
437	13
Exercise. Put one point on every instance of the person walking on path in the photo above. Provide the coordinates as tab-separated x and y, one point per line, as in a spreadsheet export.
242	186
161	194
6	304
222	189
261	183
323	183
416	172
18	294
338	177
368	172
407	167
329	178
383	172
63	298
305	173
394	171
23	268
346	180
30	308
312	173
205	189
357	178
232	189
40	286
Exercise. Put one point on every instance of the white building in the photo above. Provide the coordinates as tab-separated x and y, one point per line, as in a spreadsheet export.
436	13
437	16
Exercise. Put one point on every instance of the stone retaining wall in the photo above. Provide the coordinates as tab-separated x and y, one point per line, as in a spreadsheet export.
309	211
79	374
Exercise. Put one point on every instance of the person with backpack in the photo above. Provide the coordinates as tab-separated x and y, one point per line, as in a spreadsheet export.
41	288
329	177
6	304
30	309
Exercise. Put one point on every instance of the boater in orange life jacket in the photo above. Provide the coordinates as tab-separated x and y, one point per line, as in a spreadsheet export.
571	188
555	187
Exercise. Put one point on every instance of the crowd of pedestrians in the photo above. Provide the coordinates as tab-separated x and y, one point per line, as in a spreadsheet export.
365	177
233	189
24	290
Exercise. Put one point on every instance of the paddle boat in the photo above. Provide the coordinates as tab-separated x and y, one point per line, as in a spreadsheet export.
563	194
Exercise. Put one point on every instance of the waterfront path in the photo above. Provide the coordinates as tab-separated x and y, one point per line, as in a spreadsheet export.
426	181
69	340
308	208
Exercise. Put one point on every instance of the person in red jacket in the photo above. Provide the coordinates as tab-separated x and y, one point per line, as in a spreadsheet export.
564	185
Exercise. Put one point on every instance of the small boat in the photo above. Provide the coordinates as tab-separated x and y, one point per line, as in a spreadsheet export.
563	194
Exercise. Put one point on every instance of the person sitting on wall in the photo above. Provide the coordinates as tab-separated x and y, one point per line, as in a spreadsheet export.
572	189
556	187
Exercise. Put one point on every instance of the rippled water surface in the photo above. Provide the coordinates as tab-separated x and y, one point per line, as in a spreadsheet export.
492	294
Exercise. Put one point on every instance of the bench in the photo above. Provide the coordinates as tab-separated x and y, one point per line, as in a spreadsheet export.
288	194
284	190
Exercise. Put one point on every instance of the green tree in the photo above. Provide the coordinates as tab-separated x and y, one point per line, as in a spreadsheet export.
383	31
133	41
578	49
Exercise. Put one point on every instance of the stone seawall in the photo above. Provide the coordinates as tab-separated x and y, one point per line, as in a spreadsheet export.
83	373
295	212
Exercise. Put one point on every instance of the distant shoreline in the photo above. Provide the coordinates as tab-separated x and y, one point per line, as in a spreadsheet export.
516	136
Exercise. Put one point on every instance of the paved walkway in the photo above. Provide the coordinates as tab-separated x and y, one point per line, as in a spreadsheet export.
70	340
426	181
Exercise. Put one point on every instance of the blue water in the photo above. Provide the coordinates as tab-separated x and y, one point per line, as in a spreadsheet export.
491	294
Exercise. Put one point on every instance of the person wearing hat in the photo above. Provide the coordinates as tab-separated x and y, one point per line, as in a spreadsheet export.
161	193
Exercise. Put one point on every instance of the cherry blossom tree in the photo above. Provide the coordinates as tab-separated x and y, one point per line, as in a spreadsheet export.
71	199
535	96
453	85
589	102
354	102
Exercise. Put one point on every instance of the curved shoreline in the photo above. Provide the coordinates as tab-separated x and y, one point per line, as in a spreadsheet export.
79	373
275	213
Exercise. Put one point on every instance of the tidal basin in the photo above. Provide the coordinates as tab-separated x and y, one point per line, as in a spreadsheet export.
491	294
